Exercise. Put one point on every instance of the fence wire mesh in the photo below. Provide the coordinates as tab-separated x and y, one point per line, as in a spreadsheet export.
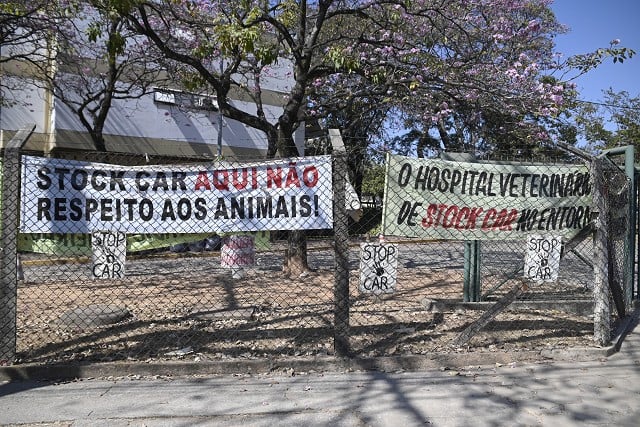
178	293
618	190
438	269
178	296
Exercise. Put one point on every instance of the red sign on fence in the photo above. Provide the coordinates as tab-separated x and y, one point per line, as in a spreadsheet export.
237	251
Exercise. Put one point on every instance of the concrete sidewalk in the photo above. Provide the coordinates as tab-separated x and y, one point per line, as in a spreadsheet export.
600	392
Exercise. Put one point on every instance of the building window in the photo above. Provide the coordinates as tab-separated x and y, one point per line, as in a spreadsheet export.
187	100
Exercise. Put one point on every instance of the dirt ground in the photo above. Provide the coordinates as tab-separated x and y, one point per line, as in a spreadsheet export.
186	306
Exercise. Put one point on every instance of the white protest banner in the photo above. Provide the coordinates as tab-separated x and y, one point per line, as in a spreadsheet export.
434	198
109	254
542	259
378	268
65	196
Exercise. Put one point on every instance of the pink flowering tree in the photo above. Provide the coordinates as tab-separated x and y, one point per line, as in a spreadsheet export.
456	72
475	76
229	48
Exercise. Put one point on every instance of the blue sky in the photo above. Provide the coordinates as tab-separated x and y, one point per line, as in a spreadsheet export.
593	24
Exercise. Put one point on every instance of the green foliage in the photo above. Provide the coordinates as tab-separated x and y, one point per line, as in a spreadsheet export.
108	28
288	12
94	31
192	81
590	61
114	8
235	39
13	8
612	123
204	50
116	44
342	60
373	180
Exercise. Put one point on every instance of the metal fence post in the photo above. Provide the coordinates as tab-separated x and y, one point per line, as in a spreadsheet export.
629	242
8	245
634	233
471	289
630	170
341	246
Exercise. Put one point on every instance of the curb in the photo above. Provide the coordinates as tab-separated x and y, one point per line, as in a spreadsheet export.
445	361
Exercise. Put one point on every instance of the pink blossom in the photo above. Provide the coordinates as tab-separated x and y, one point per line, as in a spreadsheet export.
557	99
534	25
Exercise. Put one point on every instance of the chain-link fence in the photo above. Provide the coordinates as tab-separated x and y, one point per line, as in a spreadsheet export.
136	258
471	225
153	260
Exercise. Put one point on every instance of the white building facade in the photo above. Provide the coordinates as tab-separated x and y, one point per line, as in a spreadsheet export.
163	122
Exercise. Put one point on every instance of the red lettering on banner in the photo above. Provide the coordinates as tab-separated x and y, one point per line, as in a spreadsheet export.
221	180
499	220
238	183
467	218
243	178
292	176
310	176
254	178
202	181
274	177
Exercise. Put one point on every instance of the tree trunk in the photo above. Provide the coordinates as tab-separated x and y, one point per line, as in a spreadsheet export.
272	141
295	256
98	141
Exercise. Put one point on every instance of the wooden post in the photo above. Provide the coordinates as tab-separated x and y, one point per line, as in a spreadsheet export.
9	244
